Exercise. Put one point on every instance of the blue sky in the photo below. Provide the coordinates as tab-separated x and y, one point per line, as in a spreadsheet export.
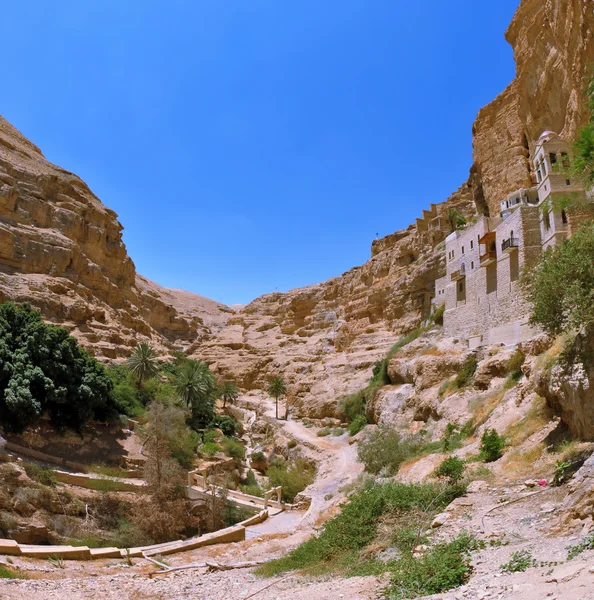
250	146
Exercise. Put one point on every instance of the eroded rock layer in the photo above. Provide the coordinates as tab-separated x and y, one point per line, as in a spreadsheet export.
61	250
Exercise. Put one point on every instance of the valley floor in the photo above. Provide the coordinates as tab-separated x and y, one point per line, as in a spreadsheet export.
506	515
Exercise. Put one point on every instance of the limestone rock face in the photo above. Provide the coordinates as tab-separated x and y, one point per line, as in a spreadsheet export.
324	339
61	250
553	42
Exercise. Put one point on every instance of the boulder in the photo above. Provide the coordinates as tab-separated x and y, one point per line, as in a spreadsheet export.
494	366
389	403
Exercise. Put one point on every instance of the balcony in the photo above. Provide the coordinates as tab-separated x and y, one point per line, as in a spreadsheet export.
490	254
488	257
510	245
460	273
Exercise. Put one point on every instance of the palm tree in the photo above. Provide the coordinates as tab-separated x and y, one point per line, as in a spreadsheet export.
228	392
455	219
195	385
142	363
276	389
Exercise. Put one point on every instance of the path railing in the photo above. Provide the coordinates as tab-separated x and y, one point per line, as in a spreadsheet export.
198	478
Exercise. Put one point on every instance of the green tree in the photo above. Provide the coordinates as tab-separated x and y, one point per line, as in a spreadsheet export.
561	287
455	219
43	371
276	389
228	392
195	385
143	363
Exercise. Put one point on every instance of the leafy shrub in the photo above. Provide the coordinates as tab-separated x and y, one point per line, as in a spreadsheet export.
384	449
586	544
451	468
292	444
519	562
125	393
353	405
40	474
466	372
46	372
514	365
8	573
443	567
183	447
560	287
258	456
227	425
492	445
210	448
437	315
324	432
293	478
233	448
251	486
357	424
210	435
355	527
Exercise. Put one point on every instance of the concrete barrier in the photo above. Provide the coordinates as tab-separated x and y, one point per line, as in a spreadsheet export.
259	518
94	482
236	533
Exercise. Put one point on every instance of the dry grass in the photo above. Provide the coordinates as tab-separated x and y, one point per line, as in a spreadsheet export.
482	406
523	463
537	417
431	351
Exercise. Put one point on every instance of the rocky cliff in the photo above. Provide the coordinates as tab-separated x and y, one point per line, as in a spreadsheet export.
61	250
553	42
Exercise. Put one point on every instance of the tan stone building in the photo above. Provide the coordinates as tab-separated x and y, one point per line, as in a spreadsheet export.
481	289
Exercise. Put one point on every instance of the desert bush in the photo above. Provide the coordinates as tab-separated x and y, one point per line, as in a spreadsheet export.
324	432
292	444
451	469
385	449
560	287
352	406
233	448
586	544
227	425
492	445
40	474
293	478
466	372
210	449
251	486
357	424
8	573
443	567
437	315
519	562
346	535
514	365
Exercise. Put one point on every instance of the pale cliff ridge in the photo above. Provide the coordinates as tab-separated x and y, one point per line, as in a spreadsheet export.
61	250
553	43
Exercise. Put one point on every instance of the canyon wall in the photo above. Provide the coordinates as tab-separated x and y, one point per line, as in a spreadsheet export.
61	250
553	43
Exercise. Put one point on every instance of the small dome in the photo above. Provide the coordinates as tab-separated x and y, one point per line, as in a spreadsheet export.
545	136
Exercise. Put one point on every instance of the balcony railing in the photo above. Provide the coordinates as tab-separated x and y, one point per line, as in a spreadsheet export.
460	273
488	257
510	244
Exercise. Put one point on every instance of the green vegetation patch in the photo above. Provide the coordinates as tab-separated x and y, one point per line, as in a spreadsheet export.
343	544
